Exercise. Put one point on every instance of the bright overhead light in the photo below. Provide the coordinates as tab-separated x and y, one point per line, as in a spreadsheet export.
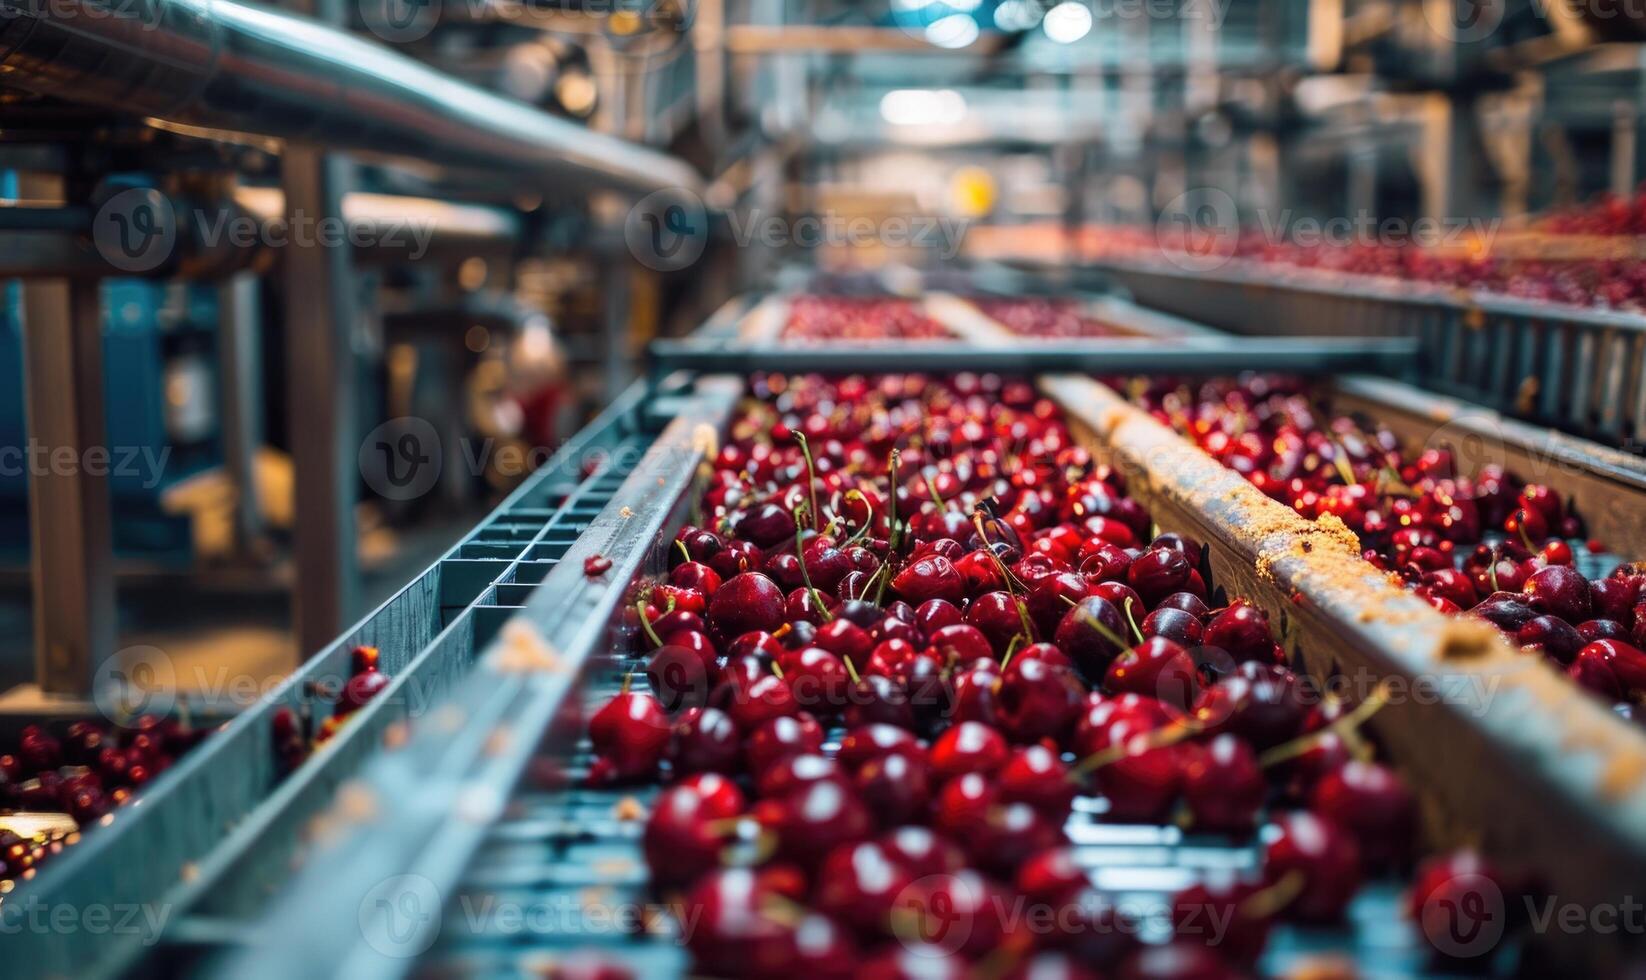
1017	15
1068	22
922	107
964	6
911	5
953	31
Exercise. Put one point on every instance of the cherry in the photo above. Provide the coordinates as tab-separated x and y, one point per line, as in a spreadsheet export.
682	840
1447	884
736	932
1009	834
1220	914
1223	785
961	910
1142	785
859	884
874	741
1242	631
737	558
1158	668
1180	627
792	772
896	787
746	602
1614	598
973	695
1552	636
696	576
779	738
1611	668
1317	858
936	614
631	732
1036	776
1091	634
962	804
1506	610
1159	572
1188	602
818	679
922	851
816	818
1176	961
705	740
998	617
1037	699
753	703
1372	802
930	577
878	699
1602	629
1051	878
1559	590
968	747
960	643
1051	598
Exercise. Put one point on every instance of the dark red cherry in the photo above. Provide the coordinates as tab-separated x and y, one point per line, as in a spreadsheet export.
864	744
858	885
1104	563
930	577
1611	668
962	911
1188	602
746	602
1559	590
935	614
816	818
1143	785
877	699
1092	634
1242	631
705	740
1052	878
1036	776
631	732
736	558
1614	598
1551	636
1037	699
922	851
960	644
896	787
754	703
1182	628
779	738
695	575
1508	611
1452	897
1322	861
1051	598
1221	915
1265	709
996	615
682	840
974	695
1372	802
1159	572
1157	668
1008	835
968	747
735	932
1602	629
1223	785
795	771
819	681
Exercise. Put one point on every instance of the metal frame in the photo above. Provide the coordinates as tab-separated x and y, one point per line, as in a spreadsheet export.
218	830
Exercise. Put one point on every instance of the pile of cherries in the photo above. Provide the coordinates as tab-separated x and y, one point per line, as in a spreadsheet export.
911	624
85	771
856	318
1039	317
295	733
1491	546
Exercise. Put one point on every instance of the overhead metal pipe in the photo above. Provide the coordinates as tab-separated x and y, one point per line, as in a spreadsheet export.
232	66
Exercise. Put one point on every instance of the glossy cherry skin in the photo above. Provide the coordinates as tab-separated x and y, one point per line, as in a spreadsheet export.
1156	668
960	644
682	840
754	703
1611	668
735	933
963	911
1052	597
1242	631
967	747
877	699
1602	629
996	616
1508	611
1008	835
974	694
705	740
1158	573
1037	699
818	680
1190	603
897	788
930	577
868	742
923	851
779	738
1143	785
1373	803
1446	884
1265	710
1553	637
1181	627
631	732
695	575
1223	785
1089	633
935	614
1326	860
1051	878
858	885
1614	598
794	771
814	819
1036	776
746	602
1559	590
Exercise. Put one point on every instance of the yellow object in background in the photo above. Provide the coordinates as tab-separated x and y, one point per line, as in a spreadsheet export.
972	192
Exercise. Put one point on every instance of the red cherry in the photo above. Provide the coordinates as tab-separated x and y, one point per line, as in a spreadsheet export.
968	747
1372	802
779	738
1036	776
746	602
1242	631
896	787
1320	860
859	885
1223	785
1157	668
705	740
631	733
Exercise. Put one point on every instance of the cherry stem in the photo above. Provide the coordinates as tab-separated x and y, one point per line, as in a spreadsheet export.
1108	634
646	624
811	475
1520	528
1347	724
1166	735
1017	642
1340	460
1005	573
868	523
851	671
1126	607
1268	902
682	546
891	472
800	552
931	488
777	670
628	680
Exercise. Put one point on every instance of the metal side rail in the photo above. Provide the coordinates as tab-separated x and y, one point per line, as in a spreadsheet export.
399	838
1203	355
1578	370
220	829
